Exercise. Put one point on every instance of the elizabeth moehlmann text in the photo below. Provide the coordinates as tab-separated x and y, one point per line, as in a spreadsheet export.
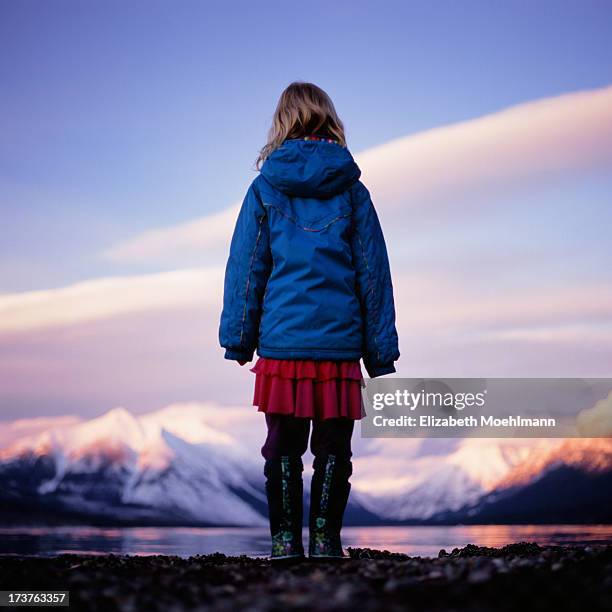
468	421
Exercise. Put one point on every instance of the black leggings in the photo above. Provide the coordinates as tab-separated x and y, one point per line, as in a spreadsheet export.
288	436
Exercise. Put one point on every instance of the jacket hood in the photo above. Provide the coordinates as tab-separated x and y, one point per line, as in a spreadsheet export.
310	168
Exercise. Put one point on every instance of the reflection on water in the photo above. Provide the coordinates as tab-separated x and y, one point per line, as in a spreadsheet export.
427	541
186	541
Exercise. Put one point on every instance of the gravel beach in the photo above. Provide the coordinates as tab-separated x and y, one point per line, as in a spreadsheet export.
472	578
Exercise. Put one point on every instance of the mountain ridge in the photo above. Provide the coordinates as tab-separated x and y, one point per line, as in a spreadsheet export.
177	465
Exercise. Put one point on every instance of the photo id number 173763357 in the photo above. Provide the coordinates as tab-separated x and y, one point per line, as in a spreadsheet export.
19	598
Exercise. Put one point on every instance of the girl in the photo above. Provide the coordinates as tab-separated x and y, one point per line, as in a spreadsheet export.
308	285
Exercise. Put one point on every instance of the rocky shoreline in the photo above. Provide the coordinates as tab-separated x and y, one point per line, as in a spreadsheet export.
471	578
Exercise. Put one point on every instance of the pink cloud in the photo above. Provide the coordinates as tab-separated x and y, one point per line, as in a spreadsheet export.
437	168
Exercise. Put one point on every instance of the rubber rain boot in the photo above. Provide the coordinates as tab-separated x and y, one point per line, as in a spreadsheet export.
284	489
329	493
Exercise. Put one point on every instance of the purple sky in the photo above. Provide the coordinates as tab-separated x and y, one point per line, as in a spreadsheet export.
123	118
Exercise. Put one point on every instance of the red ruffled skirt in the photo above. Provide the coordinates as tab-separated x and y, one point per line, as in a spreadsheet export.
309	389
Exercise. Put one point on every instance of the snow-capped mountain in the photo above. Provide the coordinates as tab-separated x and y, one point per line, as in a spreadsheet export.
570	482
192	464
167	466
437	481
591	455
460	483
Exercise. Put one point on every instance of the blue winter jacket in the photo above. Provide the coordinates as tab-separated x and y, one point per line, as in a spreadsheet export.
308	275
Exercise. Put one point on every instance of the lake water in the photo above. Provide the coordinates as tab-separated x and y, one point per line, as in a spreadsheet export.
187	541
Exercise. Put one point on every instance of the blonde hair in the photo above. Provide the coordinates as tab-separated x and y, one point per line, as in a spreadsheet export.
302	110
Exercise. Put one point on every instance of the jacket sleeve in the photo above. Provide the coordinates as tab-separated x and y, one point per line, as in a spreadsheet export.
374	286
246	275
